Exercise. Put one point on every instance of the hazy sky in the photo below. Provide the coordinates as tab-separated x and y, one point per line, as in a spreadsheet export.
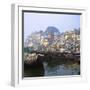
39	21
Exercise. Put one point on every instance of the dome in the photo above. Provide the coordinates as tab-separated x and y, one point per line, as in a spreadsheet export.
52	30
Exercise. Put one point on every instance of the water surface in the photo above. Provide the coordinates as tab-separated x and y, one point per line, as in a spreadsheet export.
53	68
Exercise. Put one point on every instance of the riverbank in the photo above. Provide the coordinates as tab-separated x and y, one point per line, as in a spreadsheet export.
38	57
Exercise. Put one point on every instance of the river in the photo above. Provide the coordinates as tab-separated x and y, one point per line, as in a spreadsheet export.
53	68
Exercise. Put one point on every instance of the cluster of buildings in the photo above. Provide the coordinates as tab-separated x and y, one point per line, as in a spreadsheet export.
68	41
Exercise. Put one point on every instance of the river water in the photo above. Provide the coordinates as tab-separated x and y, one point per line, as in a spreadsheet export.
53	68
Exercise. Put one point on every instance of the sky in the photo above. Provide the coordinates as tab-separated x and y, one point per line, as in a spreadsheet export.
40	21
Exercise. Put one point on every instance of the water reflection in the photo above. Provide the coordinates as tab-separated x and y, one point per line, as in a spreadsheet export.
52	68
63	69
